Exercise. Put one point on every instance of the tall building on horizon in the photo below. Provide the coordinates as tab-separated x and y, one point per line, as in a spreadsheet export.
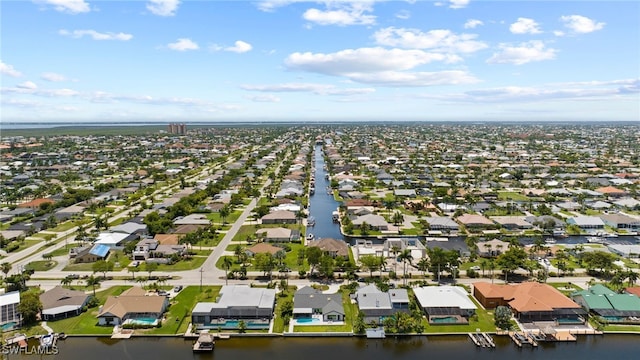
175	128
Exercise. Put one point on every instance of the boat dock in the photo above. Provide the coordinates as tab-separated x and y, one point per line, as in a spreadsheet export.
522	339
482	340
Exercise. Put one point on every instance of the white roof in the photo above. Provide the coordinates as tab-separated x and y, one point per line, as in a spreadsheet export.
110	238
10	298
444	296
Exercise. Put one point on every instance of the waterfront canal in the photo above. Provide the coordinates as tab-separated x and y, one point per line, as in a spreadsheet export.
321	204
321	348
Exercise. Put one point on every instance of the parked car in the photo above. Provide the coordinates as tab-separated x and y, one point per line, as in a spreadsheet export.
177	288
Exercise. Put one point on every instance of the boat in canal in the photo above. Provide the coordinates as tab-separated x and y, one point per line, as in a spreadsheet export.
46	341
204	343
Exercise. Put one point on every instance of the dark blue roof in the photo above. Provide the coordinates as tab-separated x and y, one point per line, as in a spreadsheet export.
99	250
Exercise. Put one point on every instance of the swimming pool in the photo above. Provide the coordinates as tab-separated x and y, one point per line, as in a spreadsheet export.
235	324
444	320
308	321
9	326
142	321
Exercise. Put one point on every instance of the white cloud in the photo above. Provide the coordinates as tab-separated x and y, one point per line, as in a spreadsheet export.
437	40
53	77
525	26
355	15
558	33
363	60
523	53
458	4
68	6
385	67
76	34
403	15
239	47
581	24
263	98
27	85
163	7
473	23
595	90
415	79
318	89
183	44
7	69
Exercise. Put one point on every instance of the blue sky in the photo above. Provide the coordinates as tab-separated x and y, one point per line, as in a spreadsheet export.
172	60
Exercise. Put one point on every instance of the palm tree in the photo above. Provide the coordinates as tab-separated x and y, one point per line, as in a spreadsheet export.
423	265
405	256
93	282
632	277
226	264
5	267
395	249
66	281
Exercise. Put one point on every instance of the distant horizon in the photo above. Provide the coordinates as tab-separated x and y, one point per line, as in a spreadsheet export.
340	60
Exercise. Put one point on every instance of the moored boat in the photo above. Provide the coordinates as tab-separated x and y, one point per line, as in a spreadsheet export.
204	343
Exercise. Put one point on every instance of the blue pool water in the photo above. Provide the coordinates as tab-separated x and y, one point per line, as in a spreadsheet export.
234	324
308	321
143	321
444	320
8	326
569	321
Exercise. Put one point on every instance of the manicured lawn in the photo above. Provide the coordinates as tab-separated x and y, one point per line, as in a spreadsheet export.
79	267
627	328
350	311
510	195
178	315
278	323
41	265
87	322
484	323
193	263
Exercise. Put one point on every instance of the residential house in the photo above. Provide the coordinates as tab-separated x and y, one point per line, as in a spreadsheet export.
130	306
415	247
193	219
280	217
375	222
475	221
512	222
252	305
404	193
587	223
60	303
609	305
153	250
377	305
89	254
309	302
492	248
442	223
114	239
10	317
332	247
445	304
263	248
530	301
621	222
278	234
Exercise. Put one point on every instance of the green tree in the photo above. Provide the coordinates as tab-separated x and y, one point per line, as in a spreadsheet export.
224	212
313	254
150	267
511	260
226	264
371	263
406	257
93	282
5	267
66	281
102	266
30	306
327	266
502	317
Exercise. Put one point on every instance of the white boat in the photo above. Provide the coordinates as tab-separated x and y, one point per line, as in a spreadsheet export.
550	241
46	341
310	237
595	239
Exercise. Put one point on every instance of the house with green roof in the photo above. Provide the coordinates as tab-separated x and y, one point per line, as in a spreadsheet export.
608	304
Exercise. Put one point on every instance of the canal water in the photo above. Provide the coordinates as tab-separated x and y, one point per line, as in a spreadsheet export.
321	204
594	347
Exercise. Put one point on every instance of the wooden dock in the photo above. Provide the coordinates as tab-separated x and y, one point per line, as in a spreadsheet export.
523	339
483	340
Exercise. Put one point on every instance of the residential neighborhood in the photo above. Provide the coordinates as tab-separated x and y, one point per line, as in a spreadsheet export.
420	229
